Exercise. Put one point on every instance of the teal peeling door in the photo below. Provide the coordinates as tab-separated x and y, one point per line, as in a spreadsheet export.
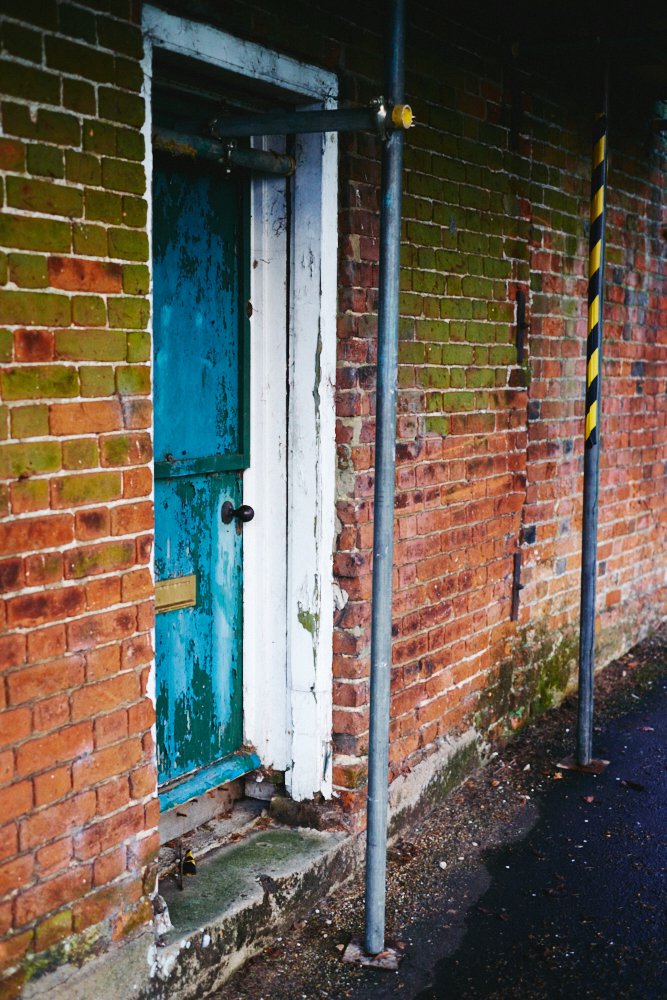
201	433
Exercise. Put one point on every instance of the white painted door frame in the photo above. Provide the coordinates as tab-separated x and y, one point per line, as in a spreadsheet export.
288	575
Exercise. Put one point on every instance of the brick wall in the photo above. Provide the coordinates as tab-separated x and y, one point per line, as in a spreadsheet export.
77	779
489	452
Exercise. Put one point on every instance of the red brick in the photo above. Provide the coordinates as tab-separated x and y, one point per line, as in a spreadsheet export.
46	606
137	482
85	418
137	585
46	642
54	857
102	662
11	575
51	713
36	682
95	630
49	896
103	593
109	866
131	518
113	795
57	820
9	841
16	725
77	275
15	800
52	786
107	763
56	748
136	651
12	650
6	766
92	523
143	781
111	728
100	837
15	874
95	699
46	567
12	950
33	345
90	560
31	534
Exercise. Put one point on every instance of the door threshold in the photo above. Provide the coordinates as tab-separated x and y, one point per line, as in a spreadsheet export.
201	782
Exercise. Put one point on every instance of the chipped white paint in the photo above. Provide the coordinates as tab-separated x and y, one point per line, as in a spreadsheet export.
288	578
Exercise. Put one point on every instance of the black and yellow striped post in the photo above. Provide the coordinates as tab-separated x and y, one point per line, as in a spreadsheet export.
592	440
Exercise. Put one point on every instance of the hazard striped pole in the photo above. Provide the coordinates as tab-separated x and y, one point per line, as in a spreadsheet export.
592	437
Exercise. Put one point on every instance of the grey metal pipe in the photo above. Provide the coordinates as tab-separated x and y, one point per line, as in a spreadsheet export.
589	529
259	161
289	122
385	462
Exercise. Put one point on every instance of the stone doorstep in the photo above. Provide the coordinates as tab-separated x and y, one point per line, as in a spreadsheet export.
243	895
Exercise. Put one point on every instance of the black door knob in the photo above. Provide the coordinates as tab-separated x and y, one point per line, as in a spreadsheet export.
243	514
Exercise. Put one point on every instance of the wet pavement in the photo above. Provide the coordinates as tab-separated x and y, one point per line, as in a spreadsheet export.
529	882
579	907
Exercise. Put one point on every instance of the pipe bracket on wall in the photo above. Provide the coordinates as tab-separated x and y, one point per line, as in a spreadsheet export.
521	325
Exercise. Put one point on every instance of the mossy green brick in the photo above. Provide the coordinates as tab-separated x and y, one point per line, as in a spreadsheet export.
130	144
431	330
28	270
79	96
97	381
50	126
31	494
99	137
103	206
89	241
423	234
433	402
127	244
82	168
501	312
81	453
45	161
40	382
494	268
4	423
479	309
30	421
135	212
406	377
129	74
17	40
120	106
123	175
138	346
34	234
481	356
455	308
450	261
457	378
502	355
411	353
433	377
136	279
26	459
130	314
34	309
437	425
457	354
433	354
458	402
91	345
42	196
28	82
133	380
75	22
88	310
91	64
480	333
429	282
6	345
480	378
4	268
96	487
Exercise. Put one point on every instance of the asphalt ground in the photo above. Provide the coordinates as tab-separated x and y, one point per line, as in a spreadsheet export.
529	882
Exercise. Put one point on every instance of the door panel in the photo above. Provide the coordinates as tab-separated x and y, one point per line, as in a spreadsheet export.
201	418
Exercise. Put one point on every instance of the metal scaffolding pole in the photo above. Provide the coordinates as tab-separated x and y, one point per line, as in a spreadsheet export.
385	461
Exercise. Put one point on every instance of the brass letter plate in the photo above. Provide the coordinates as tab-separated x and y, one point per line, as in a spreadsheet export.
171	595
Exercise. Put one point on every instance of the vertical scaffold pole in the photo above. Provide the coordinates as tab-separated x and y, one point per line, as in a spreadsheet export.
592	436
385	461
